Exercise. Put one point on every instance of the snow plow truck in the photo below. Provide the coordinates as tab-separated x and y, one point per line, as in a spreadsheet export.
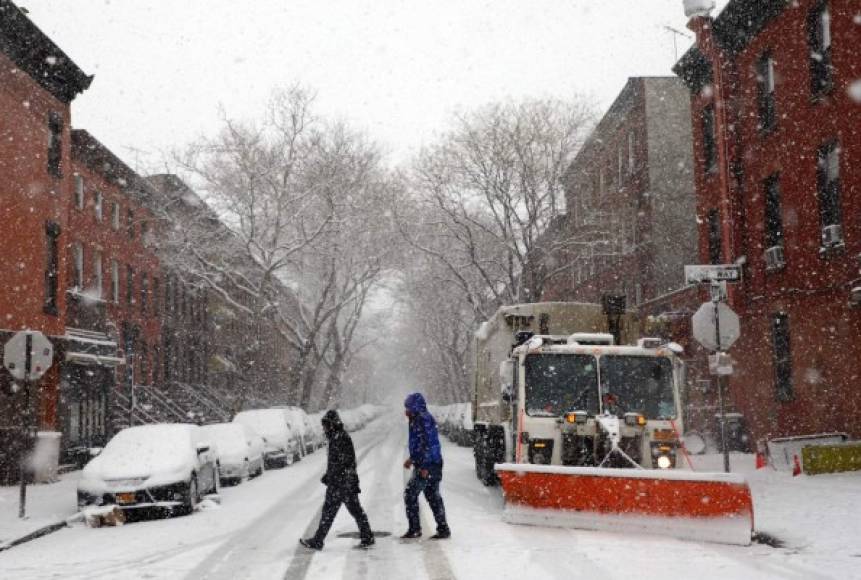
579	420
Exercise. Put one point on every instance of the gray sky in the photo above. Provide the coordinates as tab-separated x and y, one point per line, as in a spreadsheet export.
393	68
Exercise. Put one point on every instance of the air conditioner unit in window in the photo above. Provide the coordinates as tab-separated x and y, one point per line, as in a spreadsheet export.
774	259
832	236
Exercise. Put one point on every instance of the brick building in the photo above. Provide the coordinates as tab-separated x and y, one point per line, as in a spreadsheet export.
776	122
630	198
114	290
38	82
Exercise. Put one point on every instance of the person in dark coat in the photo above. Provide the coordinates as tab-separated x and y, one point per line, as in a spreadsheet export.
426	461
342	485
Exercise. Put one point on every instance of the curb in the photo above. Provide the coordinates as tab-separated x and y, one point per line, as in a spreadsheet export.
43	531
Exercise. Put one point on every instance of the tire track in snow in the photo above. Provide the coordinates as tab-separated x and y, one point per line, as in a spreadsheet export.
357	564
237	556
302	557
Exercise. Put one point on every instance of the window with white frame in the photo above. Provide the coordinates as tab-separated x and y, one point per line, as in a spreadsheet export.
97	274
115	216
767	101
115	281
78	256
631	157
97	204
79	191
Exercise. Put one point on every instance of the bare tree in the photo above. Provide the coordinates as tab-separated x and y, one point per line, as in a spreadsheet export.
488	191
263	202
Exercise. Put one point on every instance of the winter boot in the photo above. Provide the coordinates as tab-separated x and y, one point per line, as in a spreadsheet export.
311	544
366	543
412	534
441	534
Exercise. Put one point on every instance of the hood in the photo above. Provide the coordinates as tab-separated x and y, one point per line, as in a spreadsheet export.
332	423
415	403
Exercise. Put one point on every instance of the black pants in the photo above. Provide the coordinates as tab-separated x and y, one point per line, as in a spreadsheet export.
334	498
430	487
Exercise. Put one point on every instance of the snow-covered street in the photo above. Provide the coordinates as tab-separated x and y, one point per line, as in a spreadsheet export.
254	533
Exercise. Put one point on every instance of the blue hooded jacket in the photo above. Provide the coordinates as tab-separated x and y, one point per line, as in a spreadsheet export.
424	438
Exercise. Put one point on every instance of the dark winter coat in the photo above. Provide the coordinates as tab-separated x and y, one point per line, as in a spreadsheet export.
341	473
425	449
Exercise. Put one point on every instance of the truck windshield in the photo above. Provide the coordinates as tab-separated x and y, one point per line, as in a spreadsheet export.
558	383
641	384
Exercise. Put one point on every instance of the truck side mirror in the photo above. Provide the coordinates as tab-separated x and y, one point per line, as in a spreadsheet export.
506	379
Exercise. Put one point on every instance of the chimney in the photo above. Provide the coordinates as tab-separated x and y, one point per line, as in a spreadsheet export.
699	8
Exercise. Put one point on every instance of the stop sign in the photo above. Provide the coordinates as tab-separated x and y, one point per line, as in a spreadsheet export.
705	320
28	355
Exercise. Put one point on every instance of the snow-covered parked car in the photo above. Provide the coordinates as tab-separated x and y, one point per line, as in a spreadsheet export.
151	466
300	423
281	446
239	448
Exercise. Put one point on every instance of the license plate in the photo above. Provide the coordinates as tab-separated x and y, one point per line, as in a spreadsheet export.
126	497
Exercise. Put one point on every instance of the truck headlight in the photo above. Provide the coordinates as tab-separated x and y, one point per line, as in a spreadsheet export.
664	462
635	420
576	417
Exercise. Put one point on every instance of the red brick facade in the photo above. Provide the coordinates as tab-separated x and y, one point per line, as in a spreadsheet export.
766	186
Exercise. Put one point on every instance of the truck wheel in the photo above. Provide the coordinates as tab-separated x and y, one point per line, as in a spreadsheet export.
484	461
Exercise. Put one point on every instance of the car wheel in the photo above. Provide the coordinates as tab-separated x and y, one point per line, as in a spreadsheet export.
216	480
192	497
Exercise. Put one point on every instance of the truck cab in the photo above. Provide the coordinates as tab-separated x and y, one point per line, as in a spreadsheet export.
564	394
567	399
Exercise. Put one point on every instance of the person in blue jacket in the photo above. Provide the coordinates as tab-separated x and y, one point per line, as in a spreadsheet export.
426	461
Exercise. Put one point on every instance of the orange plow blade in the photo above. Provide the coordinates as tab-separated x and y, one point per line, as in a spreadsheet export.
711	507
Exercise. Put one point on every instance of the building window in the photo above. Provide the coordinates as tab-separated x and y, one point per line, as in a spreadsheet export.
631	153
97	204
714	237
145	232
115	216
819	38
620	165
52	267
78	257
79	191
773	219
765	84
709	139
144	292
782	356
130	285
97	274
55	145
602	182
115	281
130	223
828	177
156	297
143	357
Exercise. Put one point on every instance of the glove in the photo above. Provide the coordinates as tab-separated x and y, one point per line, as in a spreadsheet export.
325	479
408	463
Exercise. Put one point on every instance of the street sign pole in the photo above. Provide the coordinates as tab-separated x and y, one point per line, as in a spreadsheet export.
25	434
721	378
27	356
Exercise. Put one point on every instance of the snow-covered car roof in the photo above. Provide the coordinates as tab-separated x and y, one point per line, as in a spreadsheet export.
229	438
264	421
146	450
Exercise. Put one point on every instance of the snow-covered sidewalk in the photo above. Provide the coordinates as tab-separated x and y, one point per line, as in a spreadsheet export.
47	504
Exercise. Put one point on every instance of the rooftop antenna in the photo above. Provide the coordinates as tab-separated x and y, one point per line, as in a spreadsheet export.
676	34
